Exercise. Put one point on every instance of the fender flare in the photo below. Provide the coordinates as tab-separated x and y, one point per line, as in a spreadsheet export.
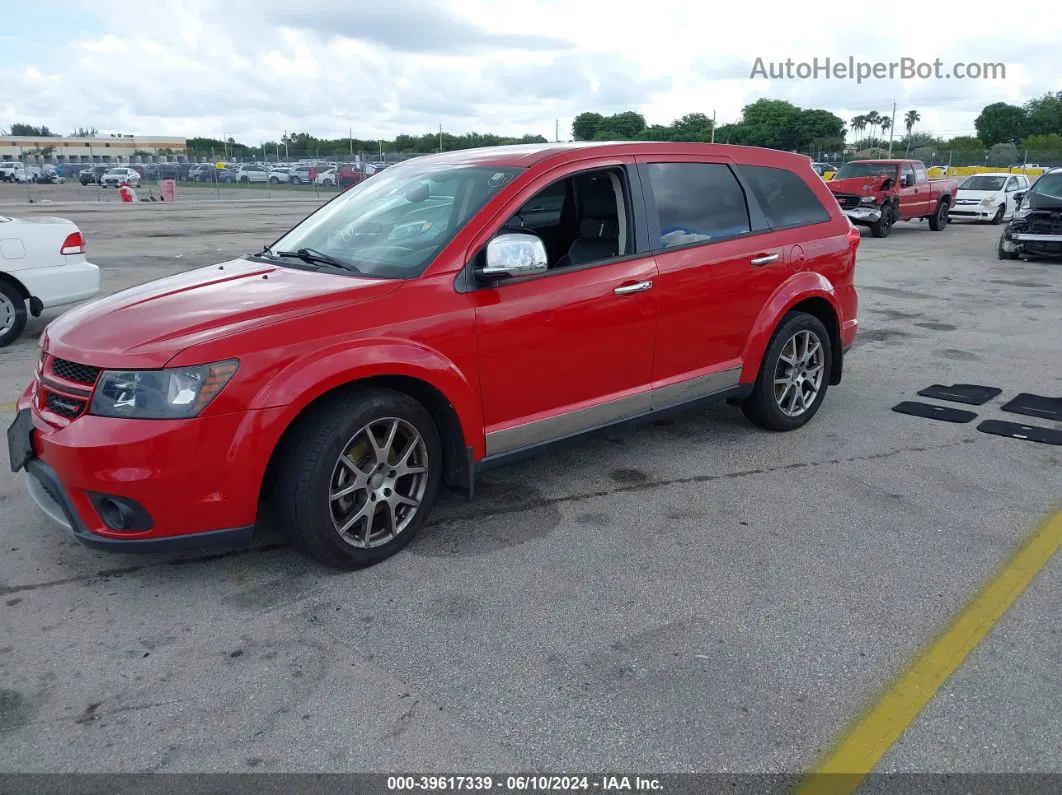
798	287
307	379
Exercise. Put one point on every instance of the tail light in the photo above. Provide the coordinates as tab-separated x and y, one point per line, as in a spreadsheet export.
854	238
74	244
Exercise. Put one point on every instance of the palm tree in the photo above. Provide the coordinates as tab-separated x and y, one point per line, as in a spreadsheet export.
886	124
873	120
909	121
859	123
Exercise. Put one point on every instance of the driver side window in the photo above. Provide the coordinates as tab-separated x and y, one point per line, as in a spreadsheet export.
581	219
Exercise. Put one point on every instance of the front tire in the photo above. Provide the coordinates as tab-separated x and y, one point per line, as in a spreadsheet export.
358	476
296	181
882	226
1004	255
939	219
12	314
274	181
997	219
794	375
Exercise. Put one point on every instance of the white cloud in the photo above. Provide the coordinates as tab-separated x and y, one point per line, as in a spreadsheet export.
253	68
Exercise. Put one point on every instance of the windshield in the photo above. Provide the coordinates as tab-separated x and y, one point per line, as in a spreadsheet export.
392	225
982	182
852	170
1046	191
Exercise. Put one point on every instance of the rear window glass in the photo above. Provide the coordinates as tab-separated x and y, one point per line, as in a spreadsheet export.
784	197
697	203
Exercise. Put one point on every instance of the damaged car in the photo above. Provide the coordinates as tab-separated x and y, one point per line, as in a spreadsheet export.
1036	228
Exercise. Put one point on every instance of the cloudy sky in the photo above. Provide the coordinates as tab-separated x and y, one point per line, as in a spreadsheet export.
254	68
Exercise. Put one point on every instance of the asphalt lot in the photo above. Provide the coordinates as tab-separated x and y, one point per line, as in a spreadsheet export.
689	595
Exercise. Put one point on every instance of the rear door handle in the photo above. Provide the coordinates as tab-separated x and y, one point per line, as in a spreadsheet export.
766	259
627	289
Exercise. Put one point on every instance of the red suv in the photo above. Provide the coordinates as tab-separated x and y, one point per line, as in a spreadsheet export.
447	314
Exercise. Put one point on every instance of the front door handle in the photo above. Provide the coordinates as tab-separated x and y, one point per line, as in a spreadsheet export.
627	289
766	259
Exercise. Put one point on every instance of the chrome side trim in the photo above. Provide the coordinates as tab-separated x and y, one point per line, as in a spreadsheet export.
1023	237
701	386
553	428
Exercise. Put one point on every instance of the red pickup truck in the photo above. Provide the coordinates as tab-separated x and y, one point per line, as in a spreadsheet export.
444	316
878	193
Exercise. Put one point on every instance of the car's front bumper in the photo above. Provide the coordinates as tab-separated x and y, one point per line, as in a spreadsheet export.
977	212
1032	243
864	215
47	492
198	481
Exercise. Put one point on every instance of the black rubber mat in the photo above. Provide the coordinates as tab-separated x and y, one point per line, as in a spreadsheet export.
971	394
1036	406
1029	433
916	409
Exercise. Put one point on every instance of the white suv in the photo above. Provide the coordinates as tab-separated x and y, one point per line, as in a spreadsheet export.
252	173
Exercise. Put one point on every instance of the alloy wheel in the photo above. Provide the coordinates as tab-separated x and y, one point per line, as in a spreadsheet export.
7	314
798	373
378	483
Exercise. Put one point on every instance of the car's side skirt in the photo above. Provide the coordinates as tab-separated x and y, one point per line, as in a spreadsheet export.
528	438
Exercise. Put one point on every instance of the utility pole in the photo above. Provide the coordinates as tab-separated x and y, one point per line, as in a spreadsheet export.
892	126
350	136
440	137
556	131
713	125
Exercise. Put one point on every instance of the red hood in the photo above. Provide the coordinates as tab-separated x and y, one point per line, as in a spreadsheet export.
148	325
855	185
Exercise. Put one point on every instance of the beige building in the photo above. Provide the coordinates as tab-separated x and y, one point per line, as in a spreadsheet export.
101	149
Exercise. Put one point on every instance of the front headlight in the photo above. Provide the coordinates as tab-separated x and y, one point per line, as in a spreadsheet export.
171	394
869	200
988	201
1021	213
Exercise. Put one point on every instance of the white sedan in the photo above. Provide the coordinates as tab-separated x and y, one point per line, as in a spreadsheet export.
42	265
988	197
326	178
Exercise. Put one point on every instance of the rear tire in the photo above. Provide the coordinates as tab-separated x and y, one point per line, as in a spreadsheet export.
794	375
296	181
342	467
12	314
939	219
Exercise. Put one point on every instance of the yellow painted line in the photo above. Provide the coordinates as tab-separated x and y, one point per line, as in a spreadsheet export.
7	406
863	745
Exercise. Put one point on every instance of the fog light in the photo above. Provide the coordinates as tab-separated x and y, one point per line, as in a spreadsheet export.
121	513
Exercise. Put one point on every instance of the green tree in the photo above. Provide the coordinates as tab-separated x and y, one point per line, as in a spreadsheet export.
1044	114
965	143
771	122
18	128
586	125
1000	122
818	130
1002	154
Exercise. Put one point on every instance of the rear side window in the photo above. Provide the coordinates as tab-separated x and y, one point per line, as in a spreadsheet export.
697	203
785	198
920	173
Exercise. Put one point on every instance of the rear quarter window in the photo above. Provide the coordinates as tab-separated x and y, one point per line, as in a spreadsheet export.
785	198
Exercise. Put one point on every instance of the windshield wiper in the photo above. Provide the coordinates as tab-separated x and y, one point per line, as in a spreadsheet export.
315	257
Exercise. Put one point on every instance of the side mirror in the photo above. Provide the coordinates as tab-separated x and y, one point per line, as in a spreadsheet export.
908	181
1018	197
514	254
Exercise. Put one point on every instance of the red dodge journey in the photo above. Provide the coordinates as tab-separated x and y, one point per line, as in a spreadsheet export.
447	314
